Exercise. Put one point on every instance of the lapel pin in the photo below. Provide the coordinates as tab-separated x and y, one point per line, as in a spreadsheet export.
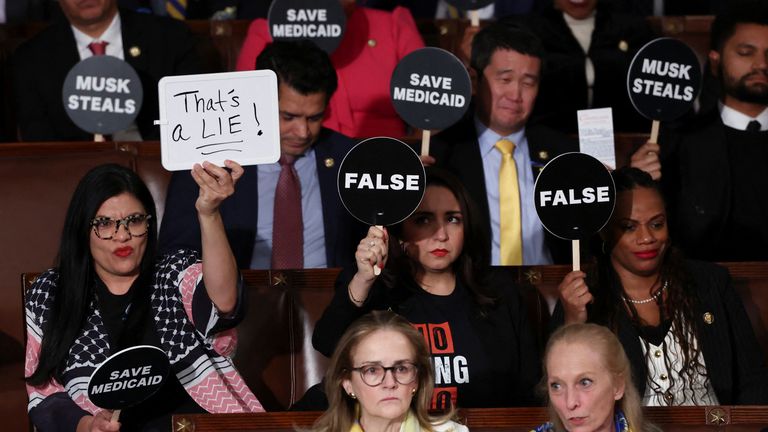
709	318
134	51
329	162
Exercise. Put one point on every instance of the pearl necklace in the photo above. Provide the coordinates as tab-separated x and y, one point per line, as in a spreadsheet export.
654	297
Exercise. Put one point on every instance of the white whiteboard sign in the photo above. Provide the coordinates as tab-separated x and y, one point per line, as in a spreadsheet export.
213	117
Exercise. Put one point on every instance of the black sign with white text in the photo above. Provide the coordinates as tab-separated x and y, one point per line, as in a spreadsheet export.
430	89
128	377
381	181
102	94
664	79
574	196
321	21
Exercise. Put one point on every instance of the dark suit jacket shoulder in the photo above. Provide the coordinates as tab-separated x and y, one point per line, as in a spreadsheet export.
697	181
155	47
180	228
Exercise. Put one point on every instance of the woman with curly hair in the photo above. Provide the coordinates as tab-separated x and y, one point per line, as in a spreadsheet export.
681	323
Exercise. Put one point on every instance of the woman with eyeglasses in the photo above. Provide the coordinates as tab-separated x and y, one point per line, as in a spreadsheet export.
380	379
109	292
436	274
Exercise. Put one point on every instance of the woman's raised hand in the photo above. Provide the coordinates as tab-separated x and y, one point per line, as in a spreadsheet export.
216	184
574	296
372	251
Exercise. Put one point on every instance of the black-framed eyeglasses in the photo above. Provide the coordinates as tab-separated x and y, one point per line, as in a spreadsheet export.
373	374
137	225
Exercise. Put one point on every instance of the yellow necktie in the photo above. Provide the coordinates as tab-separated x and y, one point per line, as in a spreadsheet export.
509	206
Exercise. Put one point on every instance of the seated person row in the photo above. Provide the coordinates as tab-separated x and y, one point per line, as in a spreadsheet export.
374	42
111	291
154	47
256	217
714	165
436	274
380	378
681	323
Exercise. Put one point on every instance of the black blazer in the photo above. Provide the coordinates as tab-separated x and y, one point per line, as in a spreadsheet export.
457	149
180	228
155	47
735	363
615	40
698	184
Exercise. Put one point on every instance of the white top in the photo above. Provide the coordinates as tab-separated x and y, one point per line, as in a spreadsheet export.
739	121
112	35
582	31
660	376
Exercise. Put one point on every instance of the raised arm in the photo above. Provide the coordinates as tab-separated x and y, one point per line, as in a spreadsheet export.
220	273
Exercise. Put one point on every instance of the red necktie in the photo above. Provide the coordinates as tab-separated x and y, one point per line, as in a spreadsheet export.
98	48
287	226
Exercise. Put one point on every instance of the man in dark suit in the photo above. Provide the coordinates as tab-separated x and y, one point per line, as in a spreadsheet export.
507	61
714	168
154	47
306	81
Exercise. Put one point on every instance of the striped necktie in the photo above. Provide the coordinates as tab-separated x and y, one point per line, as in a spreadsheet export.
176	8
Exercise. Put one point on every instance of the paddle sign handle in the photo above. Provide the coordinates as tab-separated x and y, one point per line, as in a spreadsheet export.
576	255
376	267
474	18
115	416
425	137
655	132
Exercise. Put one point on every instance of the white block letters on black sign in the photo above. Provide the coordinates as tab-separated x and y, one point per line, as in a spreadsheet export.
664	79
430	89
128	377
102	94
321	21
574	196
381	181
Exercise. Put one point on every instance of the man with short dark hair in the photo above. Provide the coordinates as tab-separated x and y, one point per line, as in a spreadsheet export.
494	142
716	174
155	47
320	230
